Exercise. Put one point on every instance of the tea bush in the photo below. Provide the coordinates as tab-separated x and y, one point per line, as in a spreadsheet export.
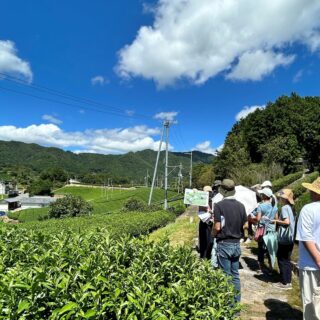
279	184
92	276
117	224
297	187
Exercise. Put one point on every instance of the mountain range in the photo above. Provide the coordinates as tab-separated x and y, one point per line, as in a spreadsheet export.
132	165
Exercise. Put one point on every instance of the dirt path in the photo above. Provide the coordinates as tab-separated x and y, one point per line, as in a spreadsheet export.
259	297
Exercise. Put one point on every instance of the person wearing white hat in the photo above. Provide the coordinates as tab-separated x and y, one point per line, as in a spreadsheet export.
266	212
268	184
308	235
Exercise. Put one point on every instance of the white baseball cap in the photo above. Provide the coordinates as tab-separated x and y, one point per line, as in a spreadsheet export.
267	192
266	183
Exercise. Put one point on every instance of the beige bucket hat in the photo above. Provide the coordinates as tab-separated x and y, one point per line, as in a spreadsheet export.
286	194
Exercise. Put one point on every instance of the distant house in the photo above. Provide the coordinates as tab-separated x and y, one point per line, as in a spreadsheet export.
2	187
7	187
25	202
74	181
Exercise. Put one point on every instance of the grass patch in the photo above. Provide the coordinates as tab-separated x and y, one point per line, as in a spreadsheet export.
29	215
180	233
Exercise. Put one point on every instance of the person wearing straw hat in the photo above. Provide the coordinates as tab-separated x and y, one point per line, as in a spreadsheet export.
308	235
286	227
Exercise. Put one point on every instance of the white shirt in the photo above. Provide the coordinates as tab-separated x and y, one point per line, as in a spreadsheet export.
308	230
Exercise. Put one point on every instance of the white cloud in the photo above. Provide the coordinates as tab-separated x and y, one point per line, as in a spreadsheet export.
10	63
130	113
247	110
51	119
256	65
206	147
297	77
99	80
199	39
105	141
170	116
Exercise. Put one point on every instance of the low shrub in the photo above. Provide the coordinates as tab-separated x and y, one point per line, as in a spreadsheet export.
117	224
88	276
178	209
69	206
134	204
301	201
297	187
286	180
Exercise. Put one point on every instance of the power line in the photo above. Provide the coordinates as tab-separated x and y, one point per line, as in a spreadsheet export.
65	95
61	102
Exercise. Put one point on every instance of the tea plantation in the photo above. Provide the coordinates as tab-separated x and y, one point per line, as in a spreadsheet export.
91	275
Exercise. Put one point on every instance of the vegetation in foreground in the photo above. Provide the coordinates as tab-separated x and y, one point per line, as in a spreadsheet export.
90	276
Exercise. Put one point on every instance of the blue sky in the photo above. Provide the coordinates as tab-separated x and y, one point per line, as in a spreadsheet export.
206	62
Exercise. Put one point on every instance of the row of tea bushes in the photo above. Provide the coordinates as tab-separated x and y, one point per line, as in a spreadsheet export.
117	224
67	275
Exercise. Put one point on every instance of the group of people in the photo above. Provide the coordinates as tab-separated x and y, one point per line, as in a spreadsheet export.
275	227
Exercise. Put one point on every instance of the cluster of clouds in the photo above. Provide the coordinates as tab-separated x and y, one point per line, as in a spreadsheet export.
199	39
99	80
11	64
105	141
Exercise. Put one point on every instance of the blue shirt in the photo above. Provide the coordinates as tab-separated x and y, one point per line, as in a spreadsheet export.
268	212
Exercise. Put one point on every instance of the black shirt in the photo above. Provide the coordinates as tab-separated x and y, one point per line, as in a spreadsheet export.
235	217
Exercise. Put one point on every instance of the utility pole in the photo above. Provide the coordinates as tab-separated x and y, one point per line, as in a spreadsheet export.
156	167
179	177
166	126
190	173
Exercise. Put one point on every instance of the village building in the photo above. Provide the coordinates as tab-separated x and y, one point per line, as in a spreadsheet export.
25	202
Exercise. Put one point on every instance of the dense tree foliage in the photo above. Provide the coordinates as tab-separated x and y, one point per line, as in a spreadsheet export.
279	135
69	206
40	187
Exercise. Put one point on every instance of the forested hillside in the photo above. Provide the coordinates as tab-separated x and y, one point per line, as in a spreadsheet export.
273	140
131	166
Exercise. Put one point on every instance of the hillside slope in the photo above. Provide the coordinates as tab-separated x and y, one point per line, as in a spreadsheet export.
131	165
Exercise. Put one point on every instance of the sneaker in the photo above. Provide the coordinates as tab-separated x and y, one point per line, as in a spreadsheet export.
280	285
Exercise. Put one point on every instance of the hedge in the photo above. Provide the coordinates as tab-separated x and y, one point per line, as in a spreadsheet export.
286	180
69	275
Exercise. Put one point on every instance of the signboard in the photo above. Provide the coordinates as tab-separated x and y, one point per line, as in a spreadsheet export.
196	198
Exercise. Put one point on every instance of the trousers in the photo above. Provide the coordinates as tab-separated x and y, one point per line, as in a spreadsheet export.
284	255
228	255
310	293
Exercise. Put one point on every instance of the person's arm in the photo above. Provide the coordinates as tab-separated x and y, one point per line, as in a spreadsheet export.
216	228
257	218
283	220
313	250
217	220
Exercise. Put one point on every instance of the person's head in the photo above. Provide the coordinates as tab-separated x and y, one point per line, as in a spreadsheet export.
216	185
265	194
285	196
208	189
266	184
314	189
227	188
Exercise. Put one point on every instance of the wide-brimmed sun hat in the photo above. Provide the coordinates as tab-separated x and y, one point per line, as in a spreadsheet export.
266	191
207	189
266	183
227	188
314	186
286	194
